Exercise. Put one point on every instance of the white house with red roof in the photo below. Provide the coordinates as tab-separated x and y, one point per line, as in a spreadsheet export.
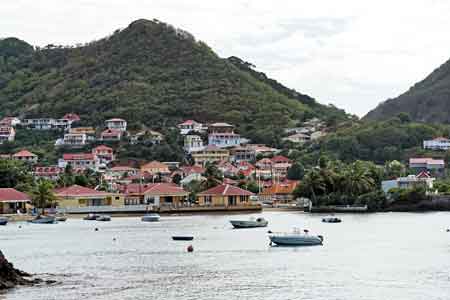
25	156
439	143
104	154
190	125
12	201
225	195
7	134
79	161
116	124
111	135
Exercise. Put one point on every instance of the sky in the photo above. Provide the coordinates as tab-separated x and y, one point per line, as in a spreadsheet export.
351	53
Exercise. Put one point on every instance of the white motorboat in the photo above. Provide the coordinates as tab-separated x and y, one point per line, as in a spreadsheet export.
150	218
252	223
103	218
295	238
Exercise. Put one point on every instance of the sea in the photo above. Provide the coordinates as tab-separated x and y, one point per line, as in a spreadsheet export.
378	256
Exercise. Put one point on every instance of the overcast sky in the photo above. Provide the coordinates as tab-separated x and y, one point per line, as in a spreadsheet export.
352	53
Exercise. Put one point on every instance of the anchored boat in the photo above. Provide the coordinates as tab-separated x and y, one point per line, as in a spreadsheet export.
150	218
295	238
252	223
103	218
182	237
43	220
3	220
331	220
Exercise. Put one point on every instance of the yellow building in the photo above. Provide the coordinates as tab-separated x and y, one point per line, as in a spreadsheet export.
210	154
79	196
155	167
224	195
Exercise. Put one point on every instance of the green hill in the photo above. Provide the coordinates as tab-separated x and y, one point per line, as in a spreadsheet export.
149	73
427	101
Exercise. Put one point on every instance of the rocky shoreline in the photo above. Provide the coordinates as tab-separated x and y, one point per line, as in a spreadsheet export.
11	277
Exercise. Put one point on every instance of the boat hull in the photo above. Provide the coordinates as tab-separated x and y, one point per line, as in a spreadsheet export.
47	220
182	238
150	218
3	221
296	240
103	218
248	224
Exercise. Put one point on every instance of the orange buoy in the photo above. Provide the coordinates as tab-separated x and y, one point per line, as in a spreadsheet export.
190	248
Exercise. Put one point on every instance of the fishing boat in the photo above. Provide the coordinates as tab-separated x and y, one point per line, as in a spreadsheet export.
40	219
103	218
150	218
91	217
331	220
3	220
252	223
182	237
295	238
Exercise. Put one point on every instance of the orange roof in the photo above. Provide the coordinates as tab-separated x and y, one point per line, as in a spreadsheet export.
154	165
281	188
24	153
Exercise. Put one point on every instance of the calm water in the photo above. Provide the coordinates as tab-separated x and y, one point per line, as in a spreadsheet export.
377	256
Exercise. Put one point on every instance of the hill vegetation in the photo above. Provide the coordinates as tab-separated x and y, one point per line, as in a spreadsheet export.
427	101
151	74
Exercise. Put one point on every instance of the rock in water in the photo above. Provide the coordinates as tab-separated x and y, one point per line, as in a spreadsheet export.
11	277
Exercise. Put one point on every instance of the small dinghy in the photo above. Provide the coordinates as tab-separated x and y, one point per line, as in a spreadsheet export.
182	237
252	223
150	218
43	220
91	217
3	221
103	218
295	238
331	220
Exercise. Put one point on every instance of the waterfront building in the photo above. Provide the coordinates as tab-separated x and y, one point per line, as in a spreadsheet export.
12	201
423	179
225	195
155	194
76	196
279	193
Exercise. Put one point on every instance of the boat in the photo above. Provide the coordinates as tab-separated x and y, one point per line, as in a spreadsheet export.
3	220
91	217
331	220
62	218
43	220
295	238
103	218
182	237
252	223
150	218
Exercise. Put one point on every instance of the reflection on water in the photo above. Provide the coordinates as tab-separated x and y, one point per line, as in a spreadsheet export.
377	256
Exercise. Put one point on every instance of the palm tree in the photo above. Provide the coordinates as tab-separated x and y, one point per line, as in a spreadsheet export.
43	194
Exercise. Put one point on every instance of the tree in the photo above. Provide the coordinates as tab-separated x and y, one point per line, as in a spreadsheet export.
43	195
213	176
14	173
296	172
176	178
404	117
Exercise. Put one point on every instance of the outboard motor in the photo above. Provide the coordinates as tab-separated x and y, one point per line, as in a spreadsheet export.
320	237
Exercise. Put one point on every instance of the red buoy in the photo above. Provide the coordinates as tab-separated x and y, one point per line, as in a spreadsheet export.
190	248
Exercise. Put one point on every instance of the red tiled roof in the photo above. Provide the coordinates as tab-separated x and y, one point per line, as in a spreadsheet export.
9	194
226	190
24	153
78	156
103	147
78	191
281	188
188	122
154	189
111	132
280	159
154	165
72	117
188	170
52	170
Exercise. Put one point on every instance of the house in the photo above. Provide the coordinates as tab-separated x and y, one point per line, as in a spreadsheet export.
48	124
264	164
422	179
111	135
155	194
193	143
227	169
189	170
146	137
439	143
119	172
12	201
222	135
88	131
298	138
9	121
190	125
210	154
435	166
7	134
280	159
155	167
279	193
192	177
72	117
116	124
25	156
80	161
104	154
75	139
76	196
224	195
49	173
